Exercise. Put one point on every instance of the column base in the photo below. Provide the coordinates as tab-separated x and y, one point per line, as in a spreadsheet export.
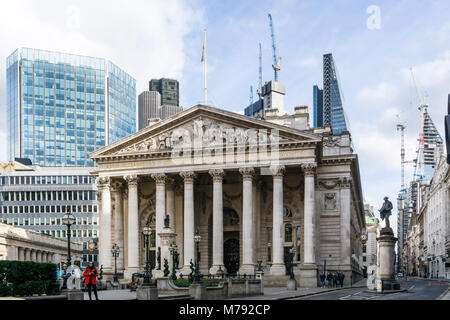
214	268
278	269
158	274
308	276
185	271
247	269
128	272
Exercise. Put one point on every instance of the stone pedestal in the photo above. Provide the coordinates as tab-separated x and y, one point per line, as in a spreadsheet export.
74	294
167	237
198	291
386	264
291	285
308	276
147	293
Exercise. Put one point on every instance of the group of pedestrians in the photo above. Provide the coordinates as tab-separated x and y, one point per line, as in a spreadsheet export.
332	280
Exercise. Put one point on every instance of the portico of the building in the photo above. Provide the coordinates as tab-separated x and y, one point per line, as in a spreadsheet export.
248	212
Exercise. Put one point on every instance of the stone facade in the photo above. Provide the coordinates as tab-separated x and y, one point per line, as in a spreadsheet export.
17	244
272	188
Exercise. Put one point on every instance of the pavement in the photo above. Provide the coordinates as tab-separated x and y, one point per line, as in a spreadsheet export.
416	289
280	293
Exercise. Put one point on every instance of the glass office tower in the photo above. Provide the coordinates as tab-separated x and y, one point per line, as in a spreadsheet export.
333	107
61	107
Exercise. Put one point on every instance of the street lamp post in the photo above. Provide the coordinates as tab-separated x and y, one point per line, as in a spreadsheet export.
68	219
174	250
115	253
147	231
197	239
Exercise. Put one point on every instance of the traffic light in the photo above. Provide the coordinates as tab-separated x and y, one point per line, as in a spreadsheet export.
447	130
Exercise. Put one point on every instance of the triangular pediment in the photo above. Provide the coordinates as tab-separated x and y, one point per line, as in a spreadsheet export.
207	123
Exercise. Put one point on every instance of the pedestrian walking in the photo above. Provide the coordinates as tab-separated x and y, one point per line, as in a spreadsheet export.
90	280
341	278
335	280
322	280
329	279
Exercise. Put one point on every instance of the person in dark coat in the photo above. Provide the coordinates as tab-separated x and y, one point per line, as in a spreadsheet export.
329	279
341	278
322	280
335	280
90	279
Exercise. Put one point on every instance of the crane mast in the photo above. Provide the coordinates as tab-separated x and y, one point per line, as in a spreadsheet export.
276	61
259	90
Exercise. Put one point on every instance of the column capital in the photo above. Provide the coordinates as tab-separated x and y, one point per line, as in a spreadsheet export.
132	180
160	178
170	182
188	176
309	168
247	173
278	171
117	186
217	174
103	182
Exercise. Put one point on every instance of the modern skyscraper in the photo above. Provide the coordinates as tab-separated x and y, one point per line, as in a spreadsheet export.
61	107
333	109
433	146
149	103
168	111
318	106
169	90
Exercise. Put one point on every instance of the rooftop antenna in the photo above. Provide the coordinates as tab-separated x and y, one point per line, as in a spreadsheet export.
276	61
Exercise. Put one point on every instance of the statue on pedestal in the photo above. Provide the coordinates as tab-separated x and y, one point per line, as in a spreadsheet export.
385	211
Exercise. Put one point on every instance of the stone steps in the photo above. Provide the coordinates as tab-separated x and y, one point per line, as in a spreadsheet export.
177	297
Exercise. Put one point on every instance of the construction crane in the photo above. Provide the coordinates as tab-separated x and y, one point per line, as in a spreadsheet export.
259	90
423	106
401	126
276	61
251	101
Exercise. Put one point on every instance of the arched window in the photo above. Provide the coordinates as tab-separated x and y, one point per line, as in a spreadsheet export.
288	232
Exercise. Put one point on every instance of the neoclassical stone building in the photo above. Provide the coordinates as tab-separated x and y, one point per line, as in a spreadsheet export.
253	188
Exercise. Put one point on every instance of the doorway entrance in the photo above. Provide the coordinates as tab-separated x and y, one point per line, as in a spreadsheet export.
231	255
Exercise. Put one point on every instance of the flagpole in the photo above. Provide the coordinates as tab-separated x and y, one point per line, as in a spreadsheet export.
205	70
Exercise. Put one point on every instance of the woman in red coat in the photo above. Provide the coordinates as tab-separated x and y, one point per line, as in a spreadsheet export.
90	279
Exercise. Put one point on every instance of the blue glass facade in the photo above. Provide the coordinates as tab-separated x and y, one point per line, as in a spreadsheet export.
58	109
318	107
333	110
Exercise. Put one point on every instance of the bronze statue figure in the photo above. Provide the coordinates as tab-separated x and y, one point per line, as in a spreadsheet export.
385	211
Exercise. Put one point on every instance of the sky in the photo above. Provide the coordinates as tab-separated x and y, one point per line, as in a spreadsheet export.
374	44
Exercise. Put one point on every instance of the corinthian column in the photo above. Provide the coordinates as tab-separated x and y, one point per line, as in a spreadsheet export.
160	179
248	265
310	217
308	271
278	267
105	224
133	231
119	222
217	253
188	251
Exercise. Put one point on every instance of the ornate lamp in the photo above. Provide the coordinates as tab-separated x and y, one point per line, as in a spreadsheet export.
147	231
68	219
197	239
115	251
